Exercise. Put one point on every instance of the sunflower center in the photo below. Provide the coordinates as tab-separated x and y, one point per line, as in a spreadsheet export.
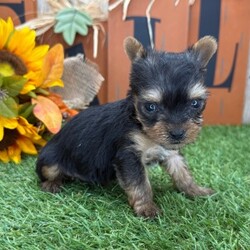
9	138
10	64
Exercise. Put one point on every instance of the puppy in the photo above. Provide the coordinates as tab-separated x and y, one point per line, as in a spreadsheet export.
161	113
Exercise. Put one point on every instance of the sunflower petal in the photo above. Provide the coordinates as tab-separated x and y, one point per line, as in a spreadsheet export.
24	46
4	156
40	142
24	121
27	88
1	132
34	78
14	153
6	123
27	129
26	145
53	83
5	30
36	57
21	129
9	123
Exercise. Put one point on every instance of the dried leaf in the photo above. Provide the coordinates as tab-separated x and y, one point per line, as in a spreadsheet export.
53	67
47	111
57	99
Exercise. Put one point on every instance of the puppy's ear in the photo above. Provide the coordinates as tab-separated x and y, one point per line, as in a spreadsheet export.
204	49
133	48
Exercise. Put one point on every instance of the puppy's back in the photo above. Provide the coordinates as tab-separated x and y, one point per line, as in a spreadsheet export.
86	145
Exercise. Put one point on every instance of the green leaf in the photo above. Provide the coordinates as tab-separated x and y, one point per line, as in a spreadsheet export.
13	84
42	91
8	108
26	110
1	80
32	94
71	21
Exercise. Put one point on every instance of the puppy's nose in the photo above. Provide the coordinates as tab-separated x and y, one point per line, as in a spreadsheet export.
177	134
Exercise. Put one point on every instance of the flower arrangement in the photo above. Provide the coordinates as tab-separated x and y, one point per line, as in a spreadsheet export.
27	107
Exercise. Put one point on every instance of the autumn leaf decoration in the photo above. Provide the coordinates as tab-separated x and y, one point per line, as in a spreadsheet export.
47	112
44	109
71	21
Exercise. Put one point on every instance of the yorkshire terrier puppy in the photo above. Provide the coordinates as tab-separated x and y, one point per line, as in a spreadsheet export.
161	114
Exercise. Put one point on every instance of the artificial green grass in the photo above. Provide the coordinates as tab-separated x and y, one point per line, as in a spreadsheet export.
82	217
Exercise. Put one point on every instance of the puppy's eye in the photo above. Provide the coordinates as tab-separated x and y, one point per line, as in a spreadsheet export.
151	107
195	103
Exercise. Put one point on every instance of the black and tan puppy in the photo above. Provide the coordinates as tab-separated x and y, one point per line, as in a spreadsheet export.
161	114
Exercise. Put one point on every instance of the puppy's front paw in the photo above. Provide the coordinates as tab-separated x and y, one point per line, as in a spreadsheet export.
147	210
154	155
195	190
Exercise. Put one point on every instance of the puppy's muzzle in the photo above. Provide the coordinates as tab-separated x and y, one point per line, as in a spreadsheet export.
177	135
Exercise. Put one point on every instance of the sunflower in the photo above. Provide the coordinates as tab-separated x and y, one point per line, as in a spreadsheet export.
27	72
17	135
19	54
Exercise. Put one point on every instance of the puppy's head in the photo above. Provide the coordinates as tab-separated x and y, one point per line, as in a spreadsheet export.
168	90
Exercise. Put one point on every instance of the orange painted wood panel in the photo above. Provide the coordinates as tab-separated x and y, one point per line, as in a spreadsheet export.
171	33
225	106
8	9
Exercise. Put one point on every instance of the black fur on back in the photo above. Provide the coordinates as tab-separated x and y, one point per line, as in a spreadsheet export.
86	146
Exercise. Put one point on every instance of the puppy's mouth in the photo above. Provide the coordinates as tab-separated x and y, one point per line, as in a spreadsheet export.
176	144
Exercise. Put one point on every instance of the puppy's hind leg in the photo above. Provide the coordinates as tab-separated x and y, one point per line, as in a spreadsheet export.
51	178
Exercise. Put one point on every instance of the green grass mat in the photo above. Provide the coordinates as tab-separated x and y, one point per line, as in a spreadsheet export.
81	217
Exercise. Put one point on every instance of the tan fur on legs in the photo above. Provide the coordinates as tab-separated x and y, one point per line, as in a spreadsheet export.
140	197
54	179
183	180
50	172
